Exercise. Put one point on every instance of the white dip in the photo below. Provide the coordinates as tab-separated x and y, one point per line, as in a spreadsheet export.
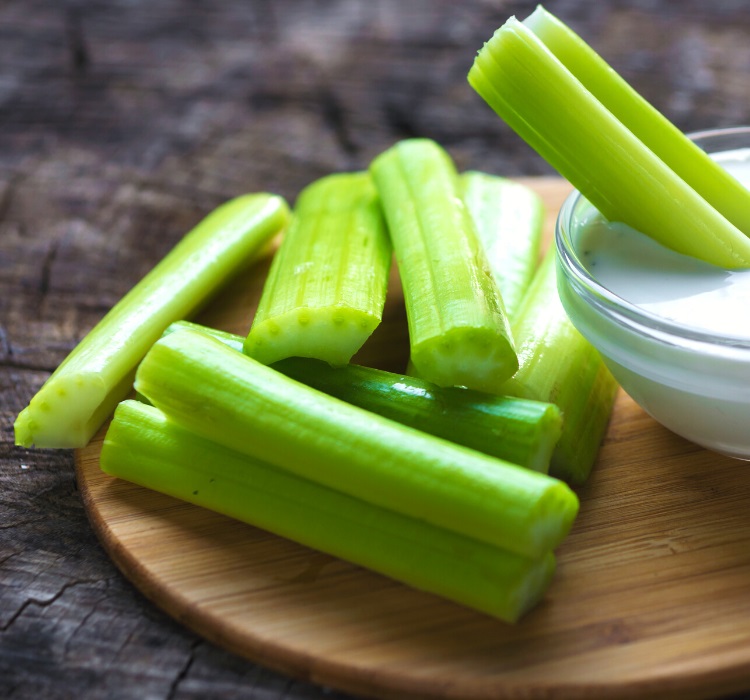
665	283
693	377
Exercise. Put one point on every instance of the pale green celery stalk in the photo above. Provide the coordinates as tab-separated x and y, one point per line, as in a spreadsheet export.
458	329
517	430
84	390
236	342
326	288
528	87
211	390
509	218
232	340
559	365
143	446
688	161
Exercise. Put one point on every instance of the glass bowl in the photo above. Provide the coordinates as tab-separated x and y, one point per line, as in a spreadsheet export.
694	382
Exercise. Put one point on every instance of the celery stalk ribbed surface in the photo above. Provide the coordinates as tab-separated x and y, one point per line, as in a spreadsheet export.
143	446
509	219
214	391
458	329
558	364
326	288
546	104
513	429
85	388
686	159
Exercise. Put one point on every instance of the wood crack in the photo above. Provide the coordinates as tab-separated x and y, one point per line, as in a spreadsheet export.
43	602
46	274
17	524
6	195
78	51
6	350
13	364
335	117
183	672
86	617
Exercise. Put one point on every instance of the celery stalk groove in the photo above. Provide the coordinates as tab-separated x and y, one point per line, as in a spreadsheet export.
558	364
513	429
509	218
144	447
458	328
216	392
326	288
686	159
83	391
546	104
516	430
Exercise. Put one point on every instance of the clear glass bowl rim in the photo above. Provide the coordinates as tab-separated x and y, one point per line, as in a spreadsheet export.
622	311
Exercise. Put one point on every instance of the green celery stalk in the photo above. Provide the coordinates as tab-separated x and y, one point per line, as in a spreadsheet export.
143	446
686	159
236	342
211	390
84	390
559	365
546	104
458	330
326	288
509	218
516	430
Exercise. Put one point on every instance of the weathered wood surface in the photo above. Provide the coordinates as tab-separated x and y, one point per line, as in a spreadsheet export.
121	124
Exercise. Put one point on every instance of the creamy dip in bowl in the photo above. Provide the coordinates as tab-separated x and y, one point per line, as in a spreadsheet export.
674	331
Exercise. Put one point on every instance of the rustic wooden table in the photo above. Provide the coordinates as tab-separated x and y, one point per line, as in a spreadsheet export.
121	124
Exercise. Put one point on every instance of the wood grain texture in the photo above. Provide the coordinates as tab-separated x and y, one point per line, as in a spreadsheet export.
124	122
650	599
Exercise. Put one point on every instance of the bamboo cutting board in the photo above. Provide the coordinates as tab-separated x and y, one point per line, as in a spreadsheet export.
651	597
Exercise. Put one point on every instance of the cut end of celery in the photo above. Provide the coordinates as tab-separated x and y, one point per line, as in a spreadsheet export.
514	588
233	341
576	453
477	358
528	595
65	413
332	334
548	436
553	517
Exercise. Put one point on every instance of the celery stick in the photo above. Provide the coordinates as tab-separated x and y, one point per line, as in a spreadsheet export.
516	430
547	105
326	288
144	447
558	364
458	330
83	391
688	161
232	399
236	342
509	218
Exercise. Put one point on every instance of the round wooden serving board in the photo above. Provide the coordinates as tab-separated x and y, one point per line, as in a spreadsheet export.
651	597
